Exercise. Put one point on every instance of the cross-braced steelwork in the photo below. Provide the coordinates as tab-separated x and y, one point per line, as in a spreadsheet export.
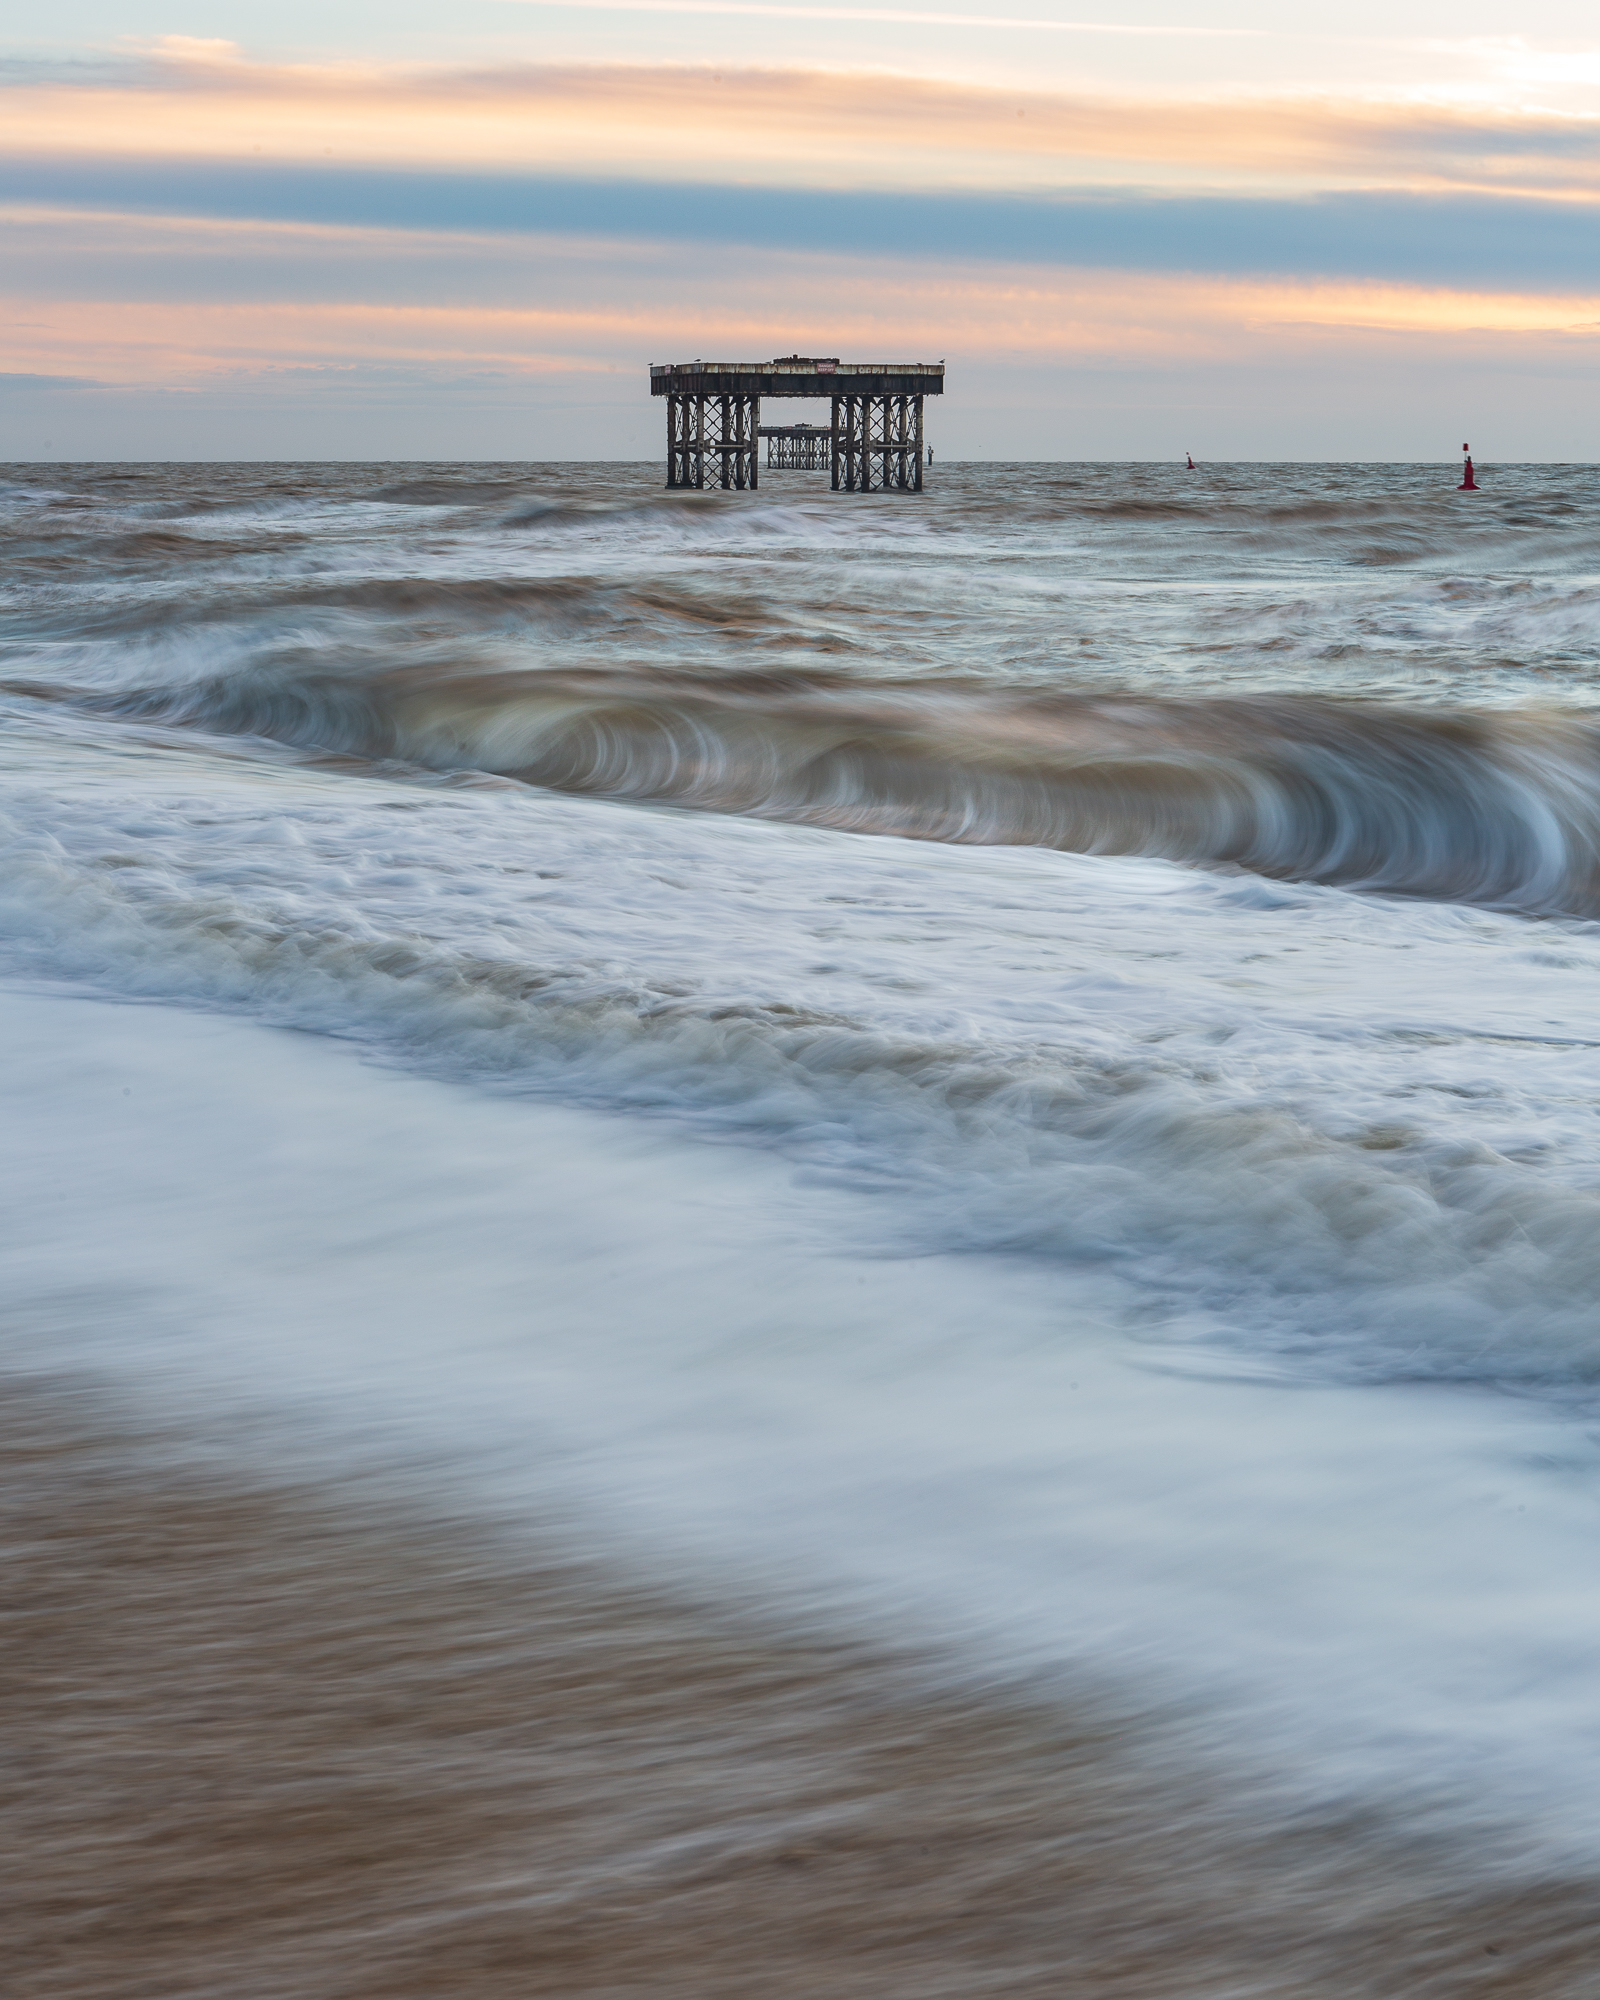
797	447
711	440
875	441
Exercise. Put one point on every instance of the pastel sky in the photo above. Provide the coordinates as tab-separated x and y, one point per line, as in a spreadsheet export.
345	230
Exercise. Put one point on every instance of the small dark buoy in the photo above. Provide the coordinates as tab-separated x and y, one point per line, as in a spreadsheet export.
1189	455
1468	483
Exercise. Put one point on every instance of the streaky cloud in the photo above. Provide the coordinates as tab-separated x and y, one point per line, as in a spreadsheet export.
1474	242
781	126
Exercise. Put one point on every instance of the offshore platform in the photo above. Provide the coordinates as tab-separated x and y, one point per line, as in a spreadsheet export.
875	442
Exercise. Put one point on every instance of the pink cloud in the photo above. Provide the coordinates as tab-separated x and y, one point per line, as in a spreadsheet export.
562	307
191	98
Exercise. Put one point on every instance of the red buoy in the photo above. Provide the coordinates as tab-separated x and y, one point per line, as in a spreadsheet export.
1468	483
1190	456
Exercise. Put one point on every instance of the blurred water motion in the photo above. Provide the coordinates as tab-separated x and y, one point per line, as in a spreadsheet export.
622	1379
276	1740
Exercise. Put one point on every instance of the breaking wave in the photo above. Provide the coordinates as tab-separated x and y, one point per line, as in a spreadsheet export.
1489	807
1435	1256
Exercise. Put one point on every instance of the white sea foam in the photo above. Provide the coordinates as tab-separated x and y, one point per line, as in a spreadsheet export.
1176	1273
1185	1074
1378	1596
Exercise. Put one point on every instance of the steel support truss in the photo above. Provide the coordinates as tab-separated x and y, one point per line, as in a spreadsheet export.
711	440
877	442
798	448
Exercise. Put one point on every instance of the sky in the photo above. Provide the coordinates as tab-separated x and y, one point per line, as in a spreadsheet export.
341	230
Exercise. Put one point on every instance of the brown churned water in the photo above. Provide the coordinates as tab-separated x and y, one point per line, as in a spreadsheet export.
1319	673
277	1740
1069	1340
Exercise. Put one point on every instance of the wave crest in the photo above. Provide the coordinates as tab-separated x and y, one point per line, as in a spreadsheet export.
1377	1252
1472	807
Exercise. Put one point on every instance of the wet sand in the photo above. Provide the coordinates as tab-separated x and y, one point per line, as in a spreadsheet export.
270	1739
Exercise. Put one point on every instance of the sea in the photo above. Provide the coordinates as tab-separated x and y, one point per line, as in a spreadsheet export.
1000	1084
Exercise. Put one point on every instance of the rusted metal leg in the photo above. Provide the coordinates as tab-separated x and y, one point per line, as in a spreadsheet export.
696	453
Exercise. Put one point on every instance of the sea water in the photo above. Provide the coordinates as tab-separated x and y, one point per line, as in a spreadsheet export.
1015	1068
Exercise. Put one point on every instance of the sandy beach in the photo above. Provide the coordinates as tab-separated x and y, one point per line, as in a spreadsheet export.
278	1739
622	1382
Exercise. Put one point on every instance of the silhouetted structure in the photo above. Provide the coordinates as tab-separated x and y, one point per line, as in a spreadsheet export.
797	447
875	439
